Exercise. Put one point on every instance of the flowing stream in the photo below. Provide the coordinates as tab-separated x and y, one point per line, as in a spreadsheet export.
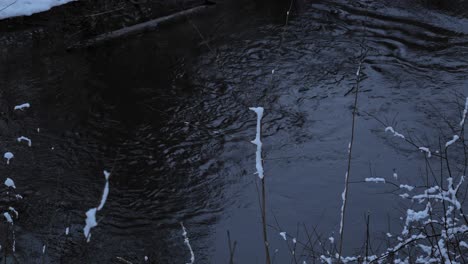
168	114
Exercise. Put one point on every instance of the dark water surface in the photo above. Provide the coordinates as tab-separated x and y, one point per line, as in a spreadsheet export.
168	114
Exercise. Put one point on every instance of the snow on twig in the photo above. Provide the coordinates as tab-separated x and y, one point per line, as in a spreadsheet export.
22	106
465	111
450	142
187	243
257	141
22	138
376	180
395	133
91	213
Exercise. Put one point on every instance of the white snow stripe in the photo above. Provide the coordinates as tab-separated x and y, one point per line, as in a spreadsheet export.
465	111
396	134
91	213
257	141
187	242
455	138
21	106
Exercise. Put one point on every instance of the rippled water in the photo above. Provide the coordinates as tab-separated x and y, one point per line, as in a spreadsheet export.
173	125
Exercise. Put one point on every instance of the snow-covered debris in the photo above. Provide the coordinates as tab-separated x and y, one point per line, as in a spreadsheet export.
13	8
25	105
25	139
8	156
257	141
10	183
376	180
396	134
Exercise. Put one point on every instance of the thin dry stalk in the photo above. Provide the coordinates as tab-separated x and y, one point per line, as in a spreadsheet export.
264	225
350	153
232	248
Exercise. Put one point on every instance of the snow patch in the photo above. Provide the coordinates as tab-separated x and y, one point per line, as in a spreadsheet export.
8	217
8	156
376	180
13	8
283	235
21	106
396	134
407	187
10	183
455	138
25	139
424	149
105	193
91	213
90	223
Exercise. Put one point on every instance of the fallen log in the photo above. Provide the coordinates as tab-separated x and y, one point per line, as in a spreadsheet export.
138	28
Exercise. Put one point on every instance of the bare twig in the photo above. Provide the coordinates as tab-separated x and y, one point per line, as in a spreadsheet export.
232	248
7	6
350	153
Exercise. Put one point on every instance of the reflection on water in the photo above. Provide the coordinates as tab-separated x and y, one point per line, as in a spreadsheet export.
173	124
